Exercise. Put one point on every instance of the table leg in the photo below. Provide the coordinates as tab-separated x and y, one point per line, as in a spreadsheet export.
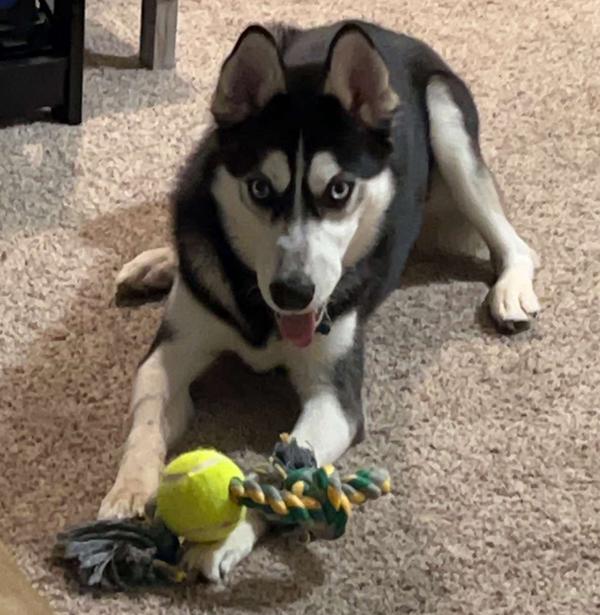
158	34
70	24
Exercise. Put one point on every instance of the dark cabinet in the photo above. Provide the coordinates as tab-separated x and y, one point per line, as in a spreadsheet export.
41	57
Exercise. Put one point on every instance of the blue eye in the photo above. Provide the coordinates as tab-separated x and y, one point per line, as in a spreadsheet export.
260	189
340	190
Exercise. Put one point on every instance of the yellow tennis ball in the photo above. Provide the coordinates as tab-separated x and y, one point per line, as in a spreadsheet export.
193	496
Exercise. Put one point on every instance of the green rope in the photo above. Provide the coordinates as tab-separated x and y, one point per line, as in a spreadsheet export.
315	499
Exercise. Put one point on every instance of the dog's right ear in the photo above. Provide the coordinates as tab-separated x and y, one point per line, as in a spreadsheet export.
359	78
250	77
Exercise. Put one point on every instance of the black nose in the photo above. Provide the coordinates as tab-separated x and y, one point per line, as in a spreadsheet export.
293	292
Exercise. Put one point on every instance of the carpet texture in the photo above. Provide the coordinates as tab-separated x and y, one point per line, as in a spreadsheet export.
493	442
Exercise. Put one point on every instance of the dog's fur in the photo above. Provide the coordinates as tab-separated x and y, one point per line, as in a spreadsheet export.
335	151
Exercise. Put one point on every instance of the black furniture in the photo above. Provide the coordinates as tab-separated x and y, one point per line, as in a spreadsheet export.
41	58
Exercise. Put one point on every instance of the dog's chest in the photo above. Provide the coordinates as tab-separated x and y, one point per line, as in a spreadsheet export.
322	353
264	358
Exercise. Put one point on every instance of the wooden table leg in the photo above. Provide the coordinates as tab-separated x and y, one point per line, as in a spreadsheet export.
158	34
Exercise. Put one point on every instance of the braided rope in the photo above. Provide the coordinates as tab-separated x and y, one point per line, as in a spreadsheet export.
316	499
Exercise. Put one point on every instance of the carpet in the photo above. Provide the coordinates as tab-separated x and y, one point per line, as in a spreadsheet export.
492	441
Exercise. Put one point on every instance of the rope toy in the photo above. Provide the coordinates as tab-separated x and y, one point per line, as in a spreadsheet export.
309	498
290	491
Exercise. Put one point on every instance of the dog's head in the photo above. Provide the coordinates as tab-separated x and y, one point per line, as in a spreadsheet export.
303	181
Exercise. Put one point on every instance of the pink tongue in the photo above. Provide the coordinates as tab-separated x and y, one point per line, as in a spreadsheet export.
298	328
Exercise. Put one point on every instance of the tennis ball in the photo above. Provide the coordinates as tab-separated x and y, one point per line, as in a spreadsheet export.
193	496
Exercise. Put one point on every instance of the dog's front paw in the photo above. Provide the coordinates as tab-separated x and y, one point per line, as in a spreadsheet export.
512	301
214	561
129	495
150	271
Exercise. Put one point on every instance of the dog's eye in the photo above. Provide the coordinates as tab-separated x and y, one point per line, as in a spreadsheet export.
340	190
260	189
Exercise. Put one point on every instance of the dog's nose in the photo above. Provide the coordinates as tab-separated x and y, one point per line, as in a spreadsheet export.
293	292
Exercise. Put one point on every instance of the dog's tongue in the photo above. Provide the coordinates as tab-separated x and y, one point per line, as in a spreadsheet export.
297	328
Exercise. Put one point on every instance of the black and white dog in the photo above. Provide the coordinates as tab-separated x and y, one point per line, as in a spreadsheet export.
335	150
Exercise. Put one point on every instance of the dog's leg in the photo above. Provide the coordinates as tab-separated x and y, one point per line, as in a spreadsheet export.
151	271
454	140
328	378
214	561
186	343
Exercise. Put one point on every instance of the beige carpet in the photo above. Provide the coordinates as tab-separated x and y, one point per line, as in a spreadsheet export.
493	442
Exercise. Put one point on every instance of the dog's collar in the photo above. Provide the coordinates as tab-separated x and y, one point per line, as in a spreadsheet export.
324	326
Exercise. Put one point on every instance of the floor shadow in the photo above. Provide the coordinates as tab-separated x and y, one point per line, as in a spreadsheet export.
93	59
446	268
287	561
30	147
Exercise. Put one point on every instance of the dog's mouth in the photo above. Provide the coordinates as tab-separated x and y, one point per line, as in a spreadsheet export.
299	329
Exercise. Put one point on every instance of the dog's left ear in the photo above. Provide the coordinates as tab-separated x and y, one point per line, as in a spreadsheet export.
250	77
358	77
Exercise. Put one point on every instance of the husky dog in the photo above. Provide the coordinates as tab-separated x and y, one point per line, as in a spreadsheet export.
334	152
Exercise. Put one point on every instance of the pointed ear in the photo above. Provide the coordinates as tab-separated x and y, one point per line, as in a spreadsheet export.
358	77
250	77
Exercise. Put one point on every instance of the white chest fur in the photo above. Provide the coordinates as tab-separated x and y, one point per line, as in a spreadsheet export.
186	313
